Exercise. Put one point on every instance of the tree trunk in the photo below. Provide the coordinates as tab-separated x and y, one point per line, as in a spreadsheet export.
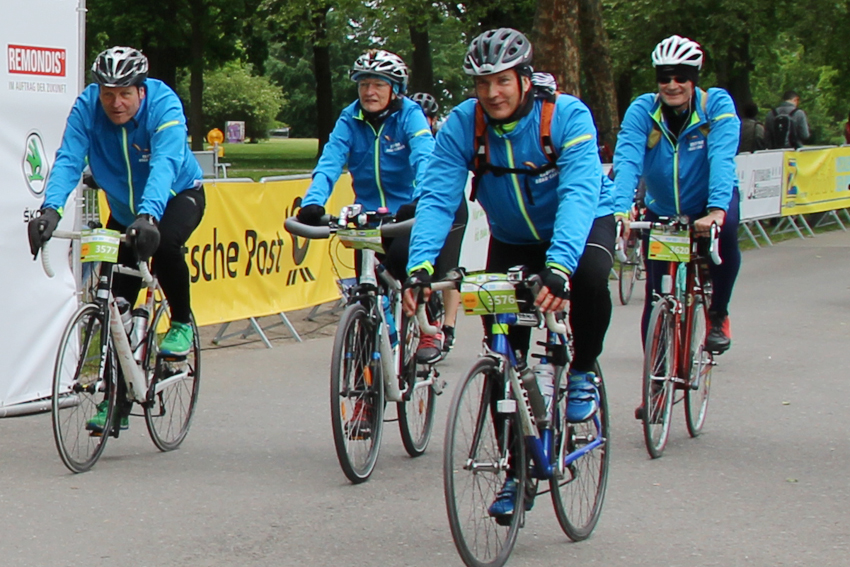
322	70
196	82
556	42
624	93
600	94
422	68
733	72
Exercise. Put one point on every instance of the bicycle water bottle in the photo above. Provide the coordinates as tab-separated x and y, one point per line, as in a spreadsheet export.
545	375
535	398
124	310
390	321
137	334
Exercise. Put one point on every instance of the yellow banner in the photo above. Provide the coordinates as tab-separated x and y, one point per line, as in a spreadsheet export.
242	262
816	181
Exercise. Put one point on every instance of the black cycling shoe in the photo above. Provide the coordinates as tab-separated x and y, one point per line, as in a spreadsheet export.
717	341
448	338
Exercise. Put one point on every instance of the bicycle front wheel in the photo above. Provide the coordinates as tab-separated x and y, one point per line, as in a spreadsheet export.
475	467
658	387
82	387
579	482
701	364
629	272
416	415
173	390
357	394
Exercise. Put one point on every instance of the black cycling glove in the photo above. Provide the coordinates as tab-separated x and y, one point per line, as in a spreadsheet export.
420	279
143	236
41	228
311	214
405	212
557	281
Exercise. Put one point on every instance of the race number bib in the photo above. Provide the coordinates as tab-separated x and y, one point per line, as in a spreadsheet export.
488	294
99	245
669	246
360	239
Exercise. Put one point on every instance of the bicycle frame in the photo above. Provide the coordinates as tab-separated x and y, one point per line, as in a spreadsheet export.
539	442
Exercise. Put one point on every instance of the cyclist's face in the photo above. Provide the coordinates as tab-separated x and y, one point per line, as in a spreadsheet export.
121	103
675	94
374	94
501	94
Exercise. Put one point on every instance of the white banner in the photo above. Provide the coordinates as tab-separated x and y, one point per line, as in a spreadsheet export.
760	184
40	82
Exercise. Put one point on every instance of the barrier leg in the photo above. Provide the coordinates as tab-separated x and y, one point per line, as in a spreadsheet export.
749	233
220	335
254	327
763	233
806	225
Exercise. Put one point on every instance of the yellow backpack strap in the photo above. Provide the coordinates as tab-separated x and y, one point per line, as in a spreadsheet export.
705	128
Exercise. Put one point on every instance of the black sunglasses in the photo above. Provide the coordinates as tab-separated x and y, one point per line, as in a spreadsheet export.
665	80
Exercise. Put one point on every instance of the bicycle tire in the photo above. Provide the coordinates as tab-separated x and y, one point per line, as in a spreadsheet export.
658	368
629	272
169	411
471	437
416	415
357	389
578	489
701	365
80	385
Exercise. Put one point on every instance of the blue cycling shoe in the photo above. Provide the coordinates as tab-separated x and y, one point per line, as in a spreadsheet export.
502	507
582	396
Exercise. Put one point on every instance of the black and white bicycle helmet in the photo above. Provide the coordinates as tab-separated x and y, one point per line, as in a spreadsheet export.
495	51
120	67
383	64
677	50
427	102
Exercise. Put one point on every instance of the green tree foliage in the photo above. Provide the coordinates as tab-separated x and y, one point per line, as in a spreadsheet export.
232	93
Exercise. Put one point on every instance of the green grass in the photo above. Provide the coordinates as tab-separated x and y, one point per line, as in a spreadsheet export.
271	157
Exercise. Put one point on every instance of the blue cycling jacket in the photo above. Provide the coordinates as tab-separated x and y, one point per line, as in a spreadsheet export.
684	177
140	165
566	199
385	164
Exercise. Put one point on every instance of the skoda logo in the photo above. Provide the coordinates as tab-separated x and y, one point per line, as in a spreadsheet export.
35	165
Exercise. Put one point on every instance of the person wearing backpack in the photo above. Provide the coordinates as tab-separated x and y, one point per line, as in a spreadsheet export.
538	177
752	131
681	141
786	125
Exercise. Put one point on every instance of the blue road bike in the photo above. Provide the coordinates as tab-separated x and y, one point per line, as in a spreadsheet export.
495	430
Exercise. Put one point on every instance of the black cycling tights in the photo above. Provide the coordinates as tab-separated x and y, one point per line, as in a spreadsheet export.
590	301
182	215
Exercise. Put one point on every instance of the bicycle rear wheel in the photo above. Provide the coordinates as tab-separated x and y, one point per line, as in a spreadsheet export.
173	390
701	364
475	468
416	415
357	394
578	488
630	271
81	386
658	387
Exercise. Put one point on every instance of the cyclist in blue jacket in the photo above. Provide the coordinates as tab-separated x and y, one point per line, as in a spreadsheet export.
682	141
131	131
556	219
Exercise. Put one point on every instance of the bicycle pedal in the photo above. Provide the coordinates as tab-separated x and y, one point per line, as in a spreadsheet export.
439	386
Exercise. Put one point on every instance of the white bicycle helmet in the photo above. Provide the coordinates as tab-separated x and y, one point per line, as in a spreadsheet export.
427	102
677	50
120	67
382	64
495	51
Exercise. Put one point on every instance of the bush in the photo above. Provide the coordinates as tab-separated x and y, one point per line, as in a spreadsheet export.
232	93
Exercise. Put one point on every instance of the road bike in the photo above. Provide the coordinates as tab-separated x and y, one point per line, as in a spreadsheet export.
369	369
104	361
677	366
507	419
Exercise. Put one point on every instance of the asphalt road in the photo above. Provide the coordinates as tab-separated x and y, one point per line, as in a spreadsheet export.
257	482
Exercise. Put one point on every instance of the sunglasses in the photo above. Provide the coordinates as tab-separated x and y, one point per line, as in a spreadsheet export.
666	80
